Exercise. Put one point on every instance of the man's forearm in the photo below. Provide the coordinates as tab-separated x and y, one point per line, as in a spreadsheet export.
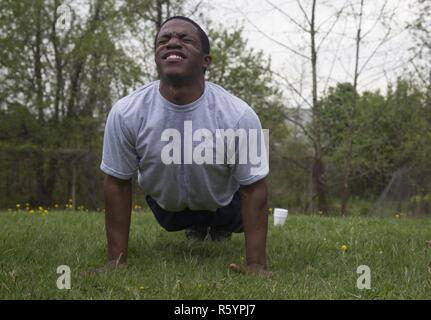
118	205
255	221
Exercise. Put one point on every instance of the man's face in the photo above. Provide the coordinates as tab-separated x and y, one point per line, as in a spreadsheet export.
178	53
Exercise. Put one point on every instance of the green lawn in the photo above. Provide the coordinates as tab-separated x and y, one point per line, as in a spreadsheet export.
305	255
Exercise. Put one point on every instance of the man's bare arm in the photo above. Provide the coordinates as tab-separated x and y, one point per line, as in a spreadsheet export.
255	221
118	206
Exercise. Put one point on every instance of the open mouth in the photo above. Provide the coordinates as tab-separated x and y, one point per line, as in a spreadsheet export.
173	56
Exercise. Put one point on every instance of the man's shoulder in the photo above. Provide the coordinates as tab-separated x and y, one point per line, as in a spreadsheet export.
222	93
233	106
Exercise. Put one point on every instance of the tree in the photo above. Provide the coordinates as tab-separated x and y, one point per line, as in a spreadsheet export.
394	135
66	81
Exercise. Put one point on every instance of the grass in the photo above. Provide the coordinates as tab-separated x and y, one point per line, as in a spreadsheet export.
305	255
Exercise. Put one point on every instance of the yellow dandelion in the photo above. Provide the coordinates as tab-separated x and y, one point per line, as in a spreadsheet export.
344	248
70	200
17	205
56	205
397	216
141	288
40	208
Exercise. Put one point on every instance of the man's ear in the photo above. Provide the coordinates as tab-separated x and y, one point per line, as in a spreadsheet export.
207	61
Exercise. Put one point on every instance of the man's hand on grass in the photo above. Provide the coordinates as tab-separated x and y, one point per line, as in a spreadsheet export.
252	269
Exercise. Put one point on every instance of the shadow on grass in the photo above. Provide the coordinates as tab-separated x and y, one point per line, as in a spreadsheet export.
172	249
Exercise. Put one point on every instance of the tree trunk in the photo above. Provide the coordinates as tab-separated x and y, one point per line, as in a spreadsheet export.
159	13
320	185
38	62
345	194
318	165
73	191
310	190
58	66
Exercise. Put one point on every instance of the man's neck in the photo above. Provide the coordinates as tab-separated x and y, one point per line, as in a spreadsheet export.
183	94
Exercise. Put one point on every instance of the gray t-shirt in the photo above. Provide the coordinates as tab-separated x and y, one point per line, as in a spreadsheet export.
139	131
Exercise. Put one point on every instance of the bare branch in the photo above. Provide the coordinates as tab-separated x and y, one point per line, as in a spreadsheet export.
298	162
358	44
196	8
303	128
335	58
385	39
288	16
292	87
378	75
271	38
379	17
337	17
303	11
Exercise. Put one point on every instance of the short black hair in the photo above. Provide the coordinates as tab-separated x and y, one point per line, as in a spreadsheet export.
203	36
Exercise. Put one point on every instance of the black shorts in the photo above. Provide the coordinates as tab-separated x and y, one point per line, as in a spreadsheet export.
227	218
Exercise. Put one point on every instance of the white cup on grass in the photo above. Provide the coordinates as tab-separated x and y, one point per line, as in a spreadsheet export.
280	216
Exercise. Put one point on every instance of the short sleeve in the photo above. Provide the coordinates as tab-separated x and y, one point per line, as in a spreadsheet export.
119	158
256	167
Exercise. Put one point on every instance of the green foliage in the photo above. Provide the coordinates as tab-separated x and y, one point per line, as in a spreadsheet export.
57	87
390	132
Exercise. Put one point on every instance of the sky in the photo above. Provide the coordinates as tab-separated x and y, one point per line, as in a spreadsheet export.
270	25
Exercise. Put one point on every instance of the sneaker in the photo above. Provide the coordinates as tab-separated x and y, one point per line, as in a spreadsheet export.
197	233
219	235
